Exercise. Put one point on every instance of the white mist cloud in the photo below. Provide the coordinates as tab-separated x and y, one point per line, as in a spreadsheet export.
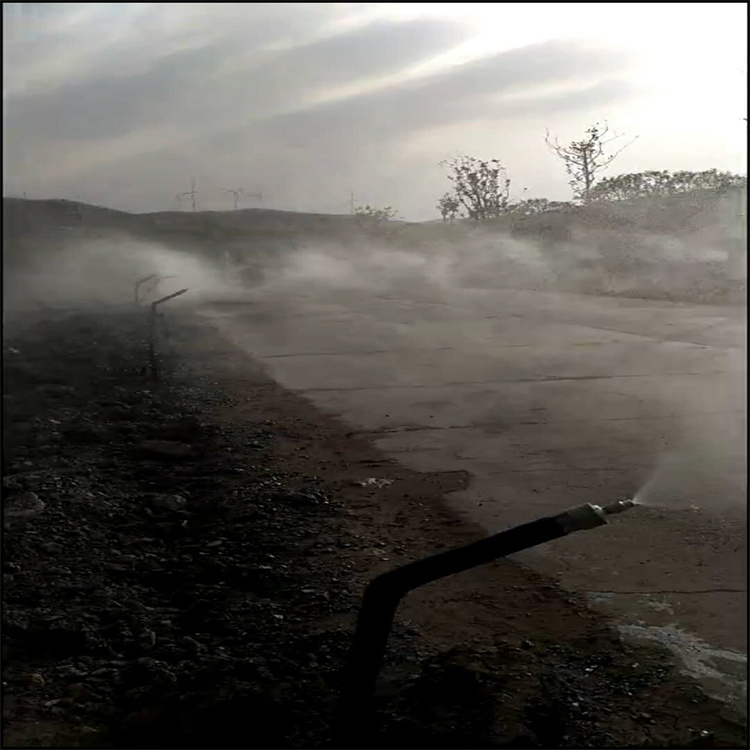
86	270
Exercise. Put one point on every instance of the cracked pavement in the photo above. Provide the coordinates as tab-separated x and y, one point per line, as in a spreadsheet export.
548	401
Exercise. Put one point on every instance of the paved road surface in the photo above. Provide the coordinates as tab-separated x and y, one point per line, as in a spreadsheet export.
551	400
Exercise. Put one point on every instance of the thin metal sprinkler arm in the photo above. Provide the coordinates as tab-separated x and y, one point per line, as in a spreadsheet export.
152	331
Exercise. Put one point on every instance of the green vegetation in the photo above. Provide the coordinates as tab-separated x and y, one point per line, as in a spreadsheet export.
663	183
378	222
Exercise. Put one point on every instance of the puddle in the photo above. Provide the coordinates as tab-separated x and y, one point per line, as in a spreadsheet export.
722	673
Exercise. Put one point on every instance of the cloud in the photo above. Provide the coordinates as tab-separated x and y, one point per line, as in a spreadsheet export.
466	92
354	134
204	89
146	96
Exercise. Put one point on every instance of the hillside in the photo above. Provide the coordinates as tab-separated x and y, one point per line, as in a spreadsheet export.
685	247
37	233
28	219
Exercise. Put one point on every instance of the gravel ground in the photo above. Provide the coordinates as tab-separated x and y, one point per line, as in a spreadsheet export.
183	559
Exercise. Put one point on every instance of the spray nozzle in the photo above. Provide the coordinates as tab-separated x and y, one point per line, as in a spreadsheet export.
588	516
617	507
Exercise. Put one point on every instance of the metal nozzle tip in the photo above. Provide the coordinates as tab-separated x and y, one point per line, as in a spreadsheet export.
619	506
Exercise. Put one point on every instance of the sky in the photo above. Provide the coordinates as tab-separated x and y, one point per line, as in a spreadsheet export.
316	105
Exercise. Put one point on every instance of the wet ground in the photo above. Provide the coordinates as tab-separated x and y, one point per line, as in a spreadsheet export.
183	560
548	401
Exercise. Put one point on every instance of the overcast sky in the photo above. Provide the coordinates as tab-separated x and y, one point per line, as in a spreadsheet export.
121	104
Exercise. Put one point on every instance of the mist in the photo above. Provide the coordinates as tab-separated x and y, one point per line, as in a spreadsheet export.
106	270
698	456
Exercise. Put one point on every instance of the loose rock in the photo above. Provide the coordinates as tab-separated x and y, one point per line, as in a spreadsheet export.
23	506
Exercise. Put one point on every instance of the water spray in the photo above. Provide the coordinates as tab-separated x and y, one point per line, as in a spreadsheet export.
383	595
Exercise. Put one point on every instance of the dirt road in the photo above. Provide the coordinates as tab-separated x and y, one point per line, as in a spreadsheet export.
550	400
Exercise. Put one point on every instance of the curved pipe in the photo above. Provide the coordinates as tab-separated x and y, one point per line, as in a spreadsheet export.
384	593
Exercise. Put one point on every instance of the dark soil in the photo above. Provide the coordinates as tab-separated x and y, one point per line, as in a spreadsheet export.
183	560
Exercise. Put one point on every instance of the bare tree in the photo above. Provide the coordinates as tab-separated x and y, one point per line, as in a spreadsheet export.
584	159
481	187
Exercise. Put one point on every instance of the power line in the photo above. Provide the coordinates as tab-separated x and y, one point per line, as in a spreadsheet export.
236	193
190	192
258	196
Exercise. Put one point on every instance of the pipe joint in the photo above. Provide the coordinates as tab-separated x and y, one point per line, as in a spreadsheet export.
589	516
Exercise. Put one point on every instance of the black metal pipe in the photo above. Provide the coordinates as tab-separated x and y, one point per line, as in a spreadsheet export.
383	595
